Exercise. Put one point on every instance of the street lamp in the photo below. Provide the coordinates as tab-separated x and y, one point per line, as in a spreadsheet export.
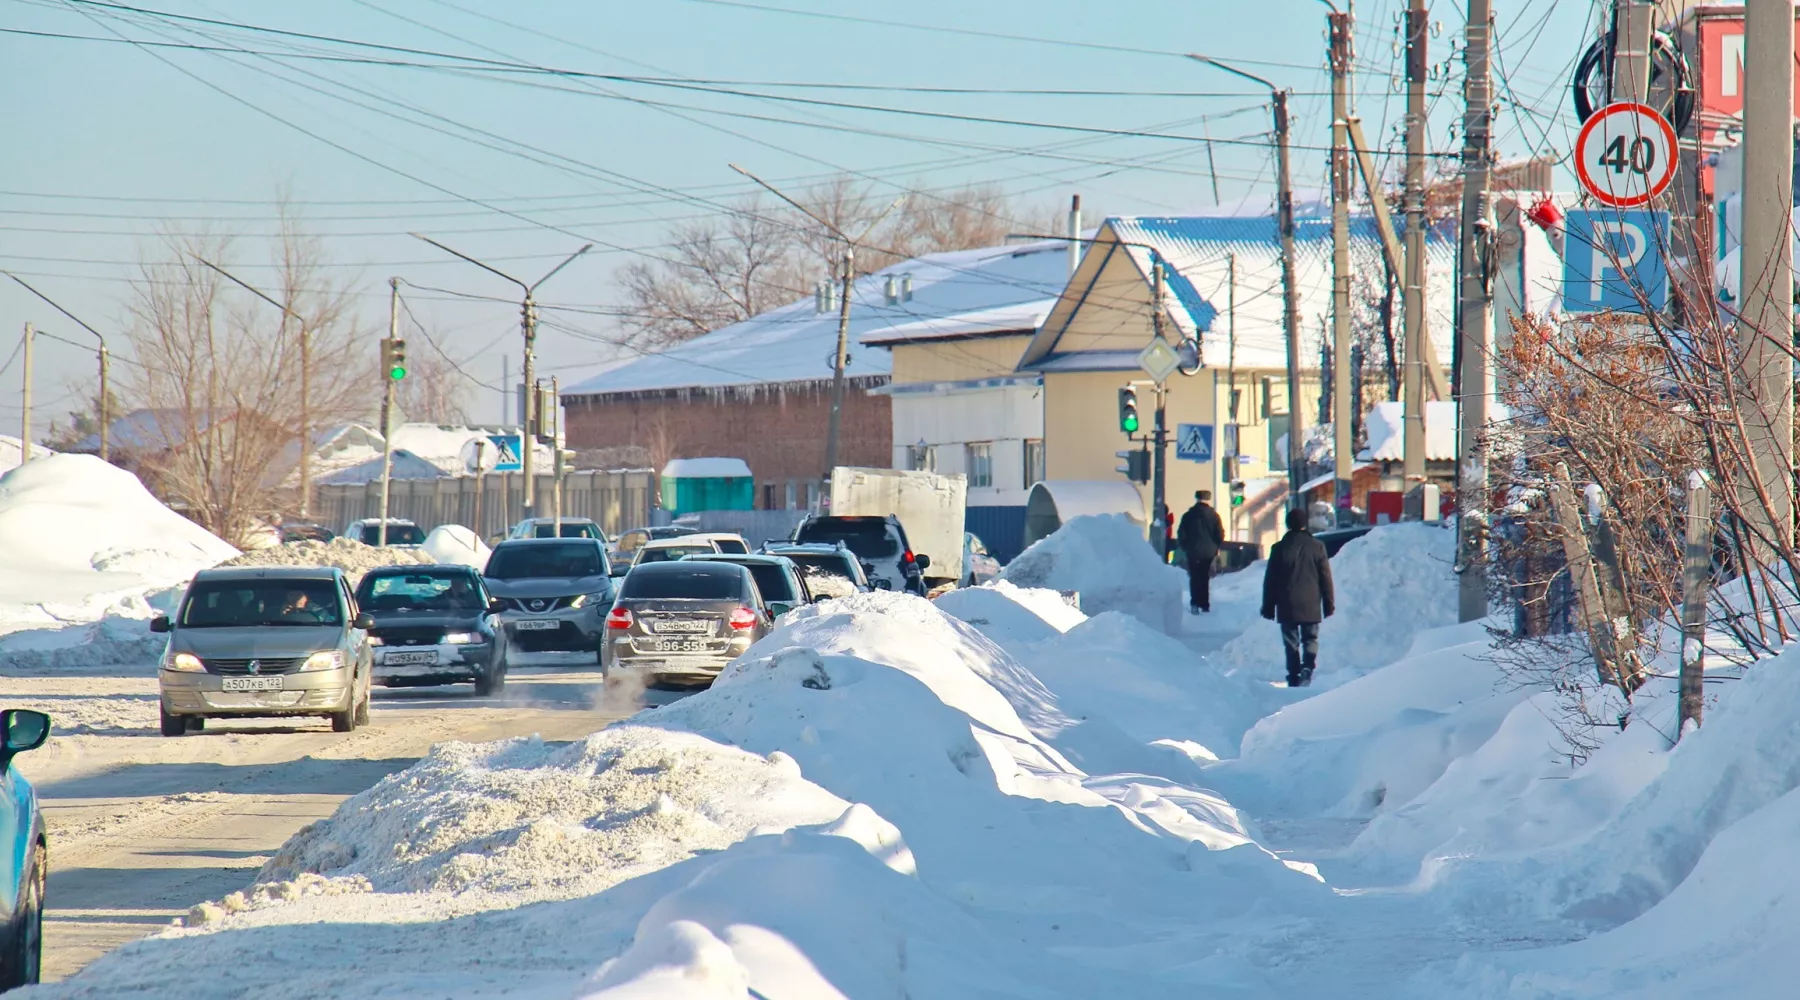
105	358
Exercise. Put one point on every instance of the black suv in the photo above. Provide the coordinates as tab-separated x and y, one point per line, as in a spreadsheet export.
879	541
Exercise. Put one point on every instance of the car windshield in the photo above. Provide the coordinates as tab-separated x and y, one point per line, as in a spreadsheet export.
569	531
229	603
668	553
868	537
418	592
397	534
701	583
525	560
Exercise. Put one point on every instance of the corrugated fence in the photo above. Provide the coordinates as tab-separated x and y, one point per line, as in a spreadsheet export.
618	500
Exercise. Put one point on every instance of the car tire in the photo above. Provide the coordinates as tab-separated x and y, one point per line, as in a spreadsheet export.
25	965
345	721
172	725
362	711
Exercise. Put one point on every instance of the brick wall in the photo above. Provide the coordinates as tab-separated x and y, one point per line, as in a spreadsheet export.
779	432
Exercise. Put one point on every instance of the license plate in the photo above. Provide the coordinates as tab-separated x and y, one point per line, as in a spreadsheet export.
676	646
537	626
682	627
416	656
251	683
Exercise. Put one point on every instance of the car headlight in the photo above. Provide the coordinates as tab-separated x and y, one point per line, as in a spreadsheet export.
583	600
186	663
327	659
462	638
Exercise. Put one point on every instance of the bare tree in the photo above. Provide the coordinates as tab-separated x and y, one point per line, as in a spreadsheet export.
436	387
220	373
721	270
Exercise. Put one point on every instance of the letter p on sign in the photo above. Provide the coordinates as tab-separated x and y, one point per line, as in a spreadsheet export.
1613	261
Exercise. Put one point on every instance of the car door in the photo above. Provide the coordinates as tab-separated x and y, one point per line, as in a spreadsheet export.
358	638
13	846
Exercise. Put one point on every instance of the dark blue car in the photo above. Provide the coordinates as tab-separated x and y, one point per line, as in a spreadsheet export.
23	861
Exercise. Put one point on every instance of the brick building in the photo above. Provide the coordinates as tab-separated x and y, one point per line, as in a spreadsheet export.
760	389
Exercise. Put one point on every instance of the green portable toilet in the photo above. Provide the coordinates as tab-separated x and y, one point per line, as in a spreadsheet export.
696	484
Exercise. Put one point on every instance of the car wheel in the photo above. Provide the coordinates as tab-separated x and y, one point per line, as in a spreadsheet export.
172	725
25	965
345	721
362	710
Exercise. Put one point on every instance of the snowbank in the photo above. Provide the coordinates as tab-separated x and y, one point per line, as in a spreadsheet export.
83	538
11	452
347	554
455	544
1104	557
1010	614
1392	584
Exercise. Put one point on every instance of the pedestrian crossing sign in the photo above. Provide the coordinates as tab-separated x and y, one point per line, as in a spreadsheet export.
1194	442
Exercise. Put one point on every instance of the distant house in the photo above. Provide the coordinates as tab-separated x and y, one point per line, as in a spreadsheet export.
760	389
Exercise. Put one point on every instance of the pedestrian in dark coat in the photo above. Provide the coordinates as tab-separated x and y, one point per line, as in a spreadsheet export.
1200	534
1297	593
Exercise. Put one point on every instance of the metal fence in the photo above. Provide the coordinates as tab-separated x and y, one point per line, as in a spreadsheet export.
617	500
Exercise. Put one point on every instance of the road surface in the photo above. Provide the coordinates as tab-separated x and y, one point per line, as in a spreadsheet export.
143	827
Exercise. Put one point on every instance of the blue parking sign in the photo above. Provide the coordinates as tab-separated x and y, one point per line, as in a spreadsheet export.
1611	257
1194	442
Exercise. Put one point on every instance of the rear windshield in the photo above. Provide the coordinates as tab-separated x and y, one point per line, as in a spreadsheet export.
732	546
700	584
418	592
224	603
397	534
868	538
522	561
669	553
773	582
570	531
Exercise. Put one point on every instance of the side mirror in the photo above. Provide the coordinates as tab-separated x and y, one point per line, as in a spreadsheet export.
496	606
779	608
363	621
21	730
881	585
160	623
923	560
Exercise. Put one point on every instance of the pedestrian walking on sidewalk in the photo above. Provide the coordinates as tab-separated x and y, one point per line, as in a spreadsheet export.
1200	535
1297	593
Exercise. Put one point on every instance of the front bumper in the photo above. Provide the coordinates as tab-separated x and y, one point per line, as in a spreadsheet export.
565	629
450	663
314	692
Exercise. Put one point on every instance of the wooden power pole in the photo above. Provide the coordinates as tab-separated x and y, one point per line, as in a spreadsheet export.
1342	404
1412	283
1474	386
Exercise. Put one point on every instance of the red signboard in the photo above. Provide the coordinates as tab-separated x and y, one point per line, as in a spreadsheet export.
1720	37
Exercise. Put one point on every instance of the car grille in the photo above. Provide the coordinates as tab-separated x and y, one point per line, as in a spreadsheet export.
264	665
537	605
414	636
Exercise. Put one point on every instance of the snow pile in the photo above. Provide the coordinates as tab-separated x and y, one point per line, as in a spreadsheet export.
347	554
456	545
1011	614
1391	584
82	538
1104	558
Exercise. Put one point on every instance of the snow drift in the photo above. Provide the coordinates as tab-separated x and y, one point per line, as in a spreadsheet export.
347	554
1104	557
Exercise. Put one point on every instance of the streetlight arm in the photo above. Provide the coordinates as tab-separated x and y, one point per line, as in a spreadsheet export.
566	262
772	189
1252	77
52	302
878	220
246	286
457	253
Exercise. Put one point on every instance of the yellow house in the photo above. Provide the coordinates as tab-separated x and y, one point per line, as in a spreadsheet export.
1228	410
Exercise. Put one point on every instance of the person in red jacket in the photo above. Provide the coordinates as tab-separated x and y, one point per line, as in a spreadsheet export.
1297	593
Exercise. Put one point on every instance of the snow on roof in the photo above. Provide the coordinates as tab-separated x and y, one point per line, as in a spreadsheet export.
10	452
1387	435
1022	316
406	465
707	468
145	430
794	343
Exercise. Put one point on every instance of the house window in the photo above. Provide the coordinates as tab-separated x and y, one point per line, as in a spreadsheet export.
769	496
793	495
1034	462
921	457
978	462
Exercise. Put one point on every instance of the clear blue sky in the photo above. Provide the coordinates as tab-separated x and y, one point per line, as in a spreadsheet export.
105	142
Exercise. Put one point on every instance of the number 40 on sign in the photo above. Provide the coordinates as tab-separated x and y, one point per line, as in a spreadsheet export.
1625	155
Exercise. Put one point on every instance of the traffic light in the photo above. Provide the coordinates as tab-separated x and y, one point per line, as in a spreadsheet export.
1237	492
1128	410
1137	464
396	359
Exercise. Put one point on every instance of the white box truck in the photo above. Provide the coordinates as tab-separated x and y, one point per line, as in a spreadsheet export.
929	506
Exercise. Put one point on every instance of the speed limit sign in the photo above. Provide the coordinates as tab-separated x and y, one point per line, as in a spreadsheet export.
1625	154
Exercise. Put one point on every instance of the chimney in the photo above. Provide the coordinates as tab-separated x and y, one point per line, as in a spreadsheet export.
1074	233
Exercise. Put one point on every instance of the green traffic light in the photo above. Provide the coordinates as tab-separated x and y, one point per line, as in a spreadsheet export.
1129	423
396	373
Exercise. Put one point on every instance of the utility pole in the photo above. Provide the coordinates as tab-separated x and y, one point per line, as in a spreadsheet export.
1413	280
1290	296
556	457
387	407
105	359
480	482
25	399
1766	321
1342	52
1159	474
840	359
1473	380
305	434
528	327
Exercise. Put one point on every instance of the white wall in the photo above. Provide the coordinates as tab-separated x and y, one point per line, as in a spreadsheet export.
1005	416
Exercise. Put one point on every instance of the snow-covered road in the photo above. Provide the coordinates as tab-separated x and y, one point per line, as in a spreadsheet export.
142	827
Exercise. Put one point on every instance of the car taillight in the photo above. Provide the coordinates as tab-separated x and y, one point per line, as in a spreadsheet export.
742	618
618	618
907	557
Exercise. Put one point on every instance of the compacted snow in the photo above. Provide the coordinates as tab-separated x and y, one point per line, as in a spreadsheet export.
1001	795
